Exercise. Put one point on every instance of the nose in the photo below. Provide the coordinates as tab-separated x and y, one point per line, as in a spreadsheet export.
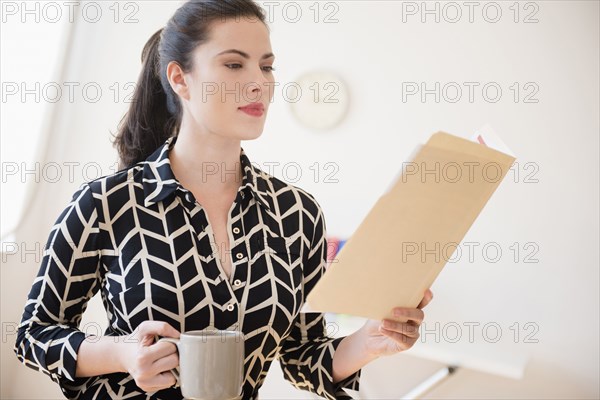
257	84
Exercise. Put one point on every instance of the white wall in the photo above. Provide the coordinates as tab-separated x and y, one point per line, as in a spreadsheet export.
375	52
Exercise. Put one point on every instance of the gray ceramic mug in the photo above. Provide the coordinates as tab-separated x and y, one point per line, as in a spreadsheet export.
211	364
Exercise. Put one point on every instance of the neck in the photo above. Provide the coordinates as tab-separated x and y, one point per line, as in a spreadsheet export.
206	161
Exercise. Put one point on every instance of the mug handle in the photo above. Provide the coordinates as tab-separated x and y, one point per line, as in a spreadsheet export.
174	370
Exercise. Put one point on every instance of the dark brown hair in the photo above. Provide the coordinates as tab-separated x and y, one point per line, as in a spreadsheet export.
155	112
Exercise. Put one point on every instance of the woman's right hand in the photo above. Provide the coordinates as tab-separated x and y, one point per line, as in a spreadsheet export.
150	363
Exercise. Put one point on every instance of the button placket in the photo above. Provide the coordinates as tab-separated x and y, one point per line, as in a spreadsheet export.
240	255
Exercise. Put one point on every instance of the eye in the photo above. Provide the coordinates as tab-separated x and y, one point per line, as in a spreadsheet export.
238	66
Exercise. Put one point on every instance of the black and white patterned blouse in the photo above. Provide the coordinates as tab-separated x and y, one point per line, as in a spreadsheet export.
141	239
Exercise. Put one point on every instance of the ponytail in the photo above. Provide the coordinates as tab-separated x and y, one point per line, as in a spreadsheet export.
155	112
149	121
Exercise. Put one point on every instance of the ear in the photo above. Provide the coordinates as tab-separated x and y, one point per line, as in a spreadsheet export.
177	79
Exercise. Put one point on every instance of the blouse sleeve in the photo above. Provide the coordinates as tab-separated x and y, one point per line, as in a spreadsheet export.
48	337
306	354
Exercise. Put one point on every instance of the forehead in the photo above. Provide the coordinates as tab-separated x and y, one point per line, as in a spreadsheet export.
245	33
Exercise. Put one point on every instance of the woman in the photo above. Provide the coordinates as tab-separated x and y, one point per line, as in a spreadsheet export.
142	236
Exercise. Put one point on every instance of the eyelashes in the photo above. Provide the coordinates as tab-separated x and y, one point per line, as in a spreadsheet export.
230	66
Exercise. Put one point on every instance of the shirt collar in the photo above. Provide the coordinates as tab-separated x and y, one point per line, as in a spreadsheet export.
159	181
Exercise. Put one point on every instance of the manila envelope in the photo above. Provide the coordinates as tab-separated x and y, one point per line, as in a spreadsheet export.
413	229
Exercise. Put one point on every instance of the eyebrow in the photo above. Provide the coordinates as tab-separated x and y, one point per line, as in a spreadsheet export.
244	54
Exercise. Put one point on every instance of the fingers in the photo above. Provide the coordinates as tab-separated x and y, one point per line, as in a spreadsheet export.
154	374
414	314
165	364
403	328
404	342
426	298
166	379
161	381
409	314
159	350
147	330
158	328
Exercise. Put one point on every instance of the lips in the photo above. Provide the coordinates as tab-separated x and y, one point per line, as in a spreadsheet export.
254	107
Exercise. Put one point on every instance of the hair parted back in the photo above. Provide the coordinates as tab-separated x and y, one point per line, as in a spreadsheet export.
155	112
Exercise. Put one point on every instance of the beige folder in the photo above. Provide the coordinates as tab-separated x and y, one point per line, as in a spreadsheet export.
411	232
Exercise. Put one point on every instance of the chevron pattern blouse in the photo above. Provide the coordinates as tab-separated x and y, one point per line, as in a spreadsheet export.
143	241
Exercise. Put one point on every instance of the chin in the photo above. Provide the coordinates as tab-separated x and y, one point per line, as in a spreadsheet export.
252	135
248	134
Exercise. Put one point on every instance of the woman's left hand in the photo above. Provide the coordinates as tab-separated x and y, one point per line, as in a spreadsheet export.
389	336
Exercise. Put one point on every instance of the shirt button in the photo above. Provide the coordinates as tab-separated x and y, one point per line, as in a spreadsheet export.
236	230
242	194
237	282
239	256
230	307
